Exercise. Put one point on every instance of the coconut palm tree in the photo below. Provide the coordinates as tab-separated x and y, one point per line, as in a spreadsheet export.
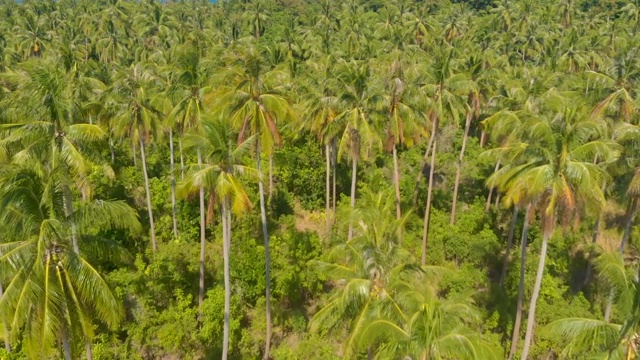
133	114
255	106
601	338
355	125
219	173
53	292
190	89
557	172
430	327
363	268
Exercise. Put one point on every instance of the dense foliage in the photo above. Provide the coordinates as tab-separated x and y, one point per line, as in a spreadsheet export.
297	179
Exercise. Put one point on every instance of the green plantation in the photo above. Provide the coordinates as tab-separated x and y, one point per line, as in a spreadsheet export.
319	179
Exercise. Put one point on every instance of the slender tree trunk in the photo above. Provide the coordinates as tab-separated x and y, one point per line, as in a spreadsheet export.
483	138
512	228
354	171
5	330
66	347
488	204
623	243
154	245
523	262
334	156
534	296
68	209
328	187
203	243
112	147
456	184
87	348
135	155
227	282
594	239
181	158
396	181
263	216
423	163
427	211
270	177
173	185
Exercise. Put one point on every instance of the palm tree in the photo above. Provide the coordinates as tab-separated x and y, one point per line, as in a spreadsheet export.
600	337
321	106
45	92
190	90
557	172
53	292
430	327
219	174
404	124
255	106
363	268
354	124
134	115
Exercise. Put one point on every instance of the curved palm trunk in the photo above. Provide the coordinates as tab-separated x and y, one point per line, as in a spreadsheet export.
623	243
154	245
488	204
396	181
203	244
465	137
512	228
523	261
5	330
328	187
354	171
173	184
423	163
263	216
427	212
226	242
534	296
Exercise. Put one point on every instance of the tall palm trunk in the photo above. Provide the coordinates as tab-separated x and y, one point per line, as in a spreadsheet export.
328	187
181	158
523	262
631	212
594	239
226	242
154	245
270	177
68	210
173	184
203	244
87	348
263	216
534	296
354	171
112	147
66	346
512	228
427	211
396	181
423	163
5	330
456	184
135	156
334	158
488	204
